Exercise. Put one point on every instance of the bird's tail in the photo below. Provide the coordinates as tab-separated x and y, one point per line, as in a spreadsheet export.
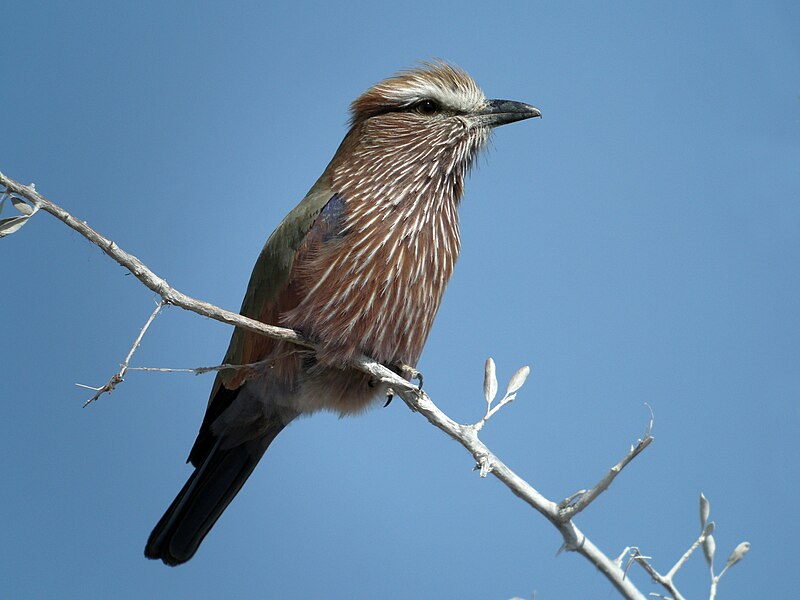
204	497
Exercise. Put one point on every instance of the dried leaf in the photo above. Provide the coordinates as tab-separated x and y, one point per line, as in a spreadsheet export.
9	226
518	380
705	510
22	206
709	547
489	381
737	554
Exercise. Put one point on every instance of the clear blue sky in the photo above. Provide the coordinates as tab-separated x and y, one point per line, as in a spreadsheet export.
640	243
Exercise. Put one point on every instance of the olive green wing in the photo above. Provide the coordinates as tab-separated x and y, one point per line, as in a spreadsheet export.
271	272
268	294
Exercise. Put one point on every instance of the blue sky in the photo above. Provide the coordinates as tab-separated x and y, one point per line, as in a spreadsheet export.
640	243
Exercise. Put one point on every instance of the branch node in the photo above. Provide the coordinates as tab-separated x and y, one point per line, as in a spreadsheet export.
484	465
571	500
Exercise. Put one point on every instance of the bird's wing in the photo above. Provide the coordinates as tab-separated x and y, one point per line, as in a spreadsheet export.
269	293
270	276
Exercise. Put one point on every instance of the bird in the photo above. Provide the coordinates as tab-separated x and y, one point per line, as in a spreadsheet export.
359	267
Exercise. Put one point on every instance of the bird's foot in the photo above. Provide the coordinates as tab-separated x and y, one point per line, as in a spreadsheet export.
405	371
389	391
408	372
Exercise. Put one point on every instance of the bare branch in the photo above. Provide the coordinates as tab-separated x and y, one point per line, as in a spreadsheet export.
418	401
150	280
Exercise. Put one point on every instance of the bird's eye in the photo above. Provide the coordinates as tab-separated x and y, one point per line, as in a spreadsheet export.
426	107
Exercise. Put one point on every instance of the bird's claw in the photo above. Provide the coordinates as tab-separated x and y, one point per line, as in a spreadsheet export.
405	371
410	373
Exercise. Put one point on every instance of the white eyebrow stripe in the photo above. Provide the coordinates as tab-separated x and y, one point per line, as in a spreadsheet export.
459	99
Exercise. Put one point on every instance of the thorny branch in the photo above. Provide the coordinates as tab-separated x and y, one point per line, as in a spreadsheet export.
560	515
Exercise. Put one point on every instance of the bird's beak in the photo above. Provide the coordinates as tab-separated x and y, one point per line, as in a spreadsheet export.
500	112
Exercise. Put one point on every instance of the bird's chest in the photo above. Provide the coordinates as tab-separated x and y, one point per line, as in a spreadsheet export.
377	287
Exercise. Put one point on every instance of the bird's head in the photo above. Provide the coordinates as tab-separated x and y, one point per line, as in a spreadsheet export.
433	113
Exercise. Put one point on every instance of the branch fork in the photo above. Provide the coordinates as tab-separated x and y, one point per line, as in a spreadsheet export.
706	540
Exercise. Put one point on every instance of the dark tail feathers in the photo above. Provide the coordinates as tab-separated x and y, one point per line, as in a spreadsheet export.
204	497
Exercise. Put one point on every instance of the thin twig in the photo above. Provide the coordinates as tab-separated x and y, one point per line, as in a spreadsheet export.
705	533
570	507
204	370
622	555
665	582
119	376
492	410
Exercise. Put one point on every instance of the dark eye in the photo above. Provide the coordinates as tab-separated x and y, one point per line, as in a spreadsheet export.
426	107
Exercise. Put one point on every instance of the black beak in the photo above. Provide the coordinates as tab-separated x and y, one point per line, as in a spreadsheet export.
500	112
